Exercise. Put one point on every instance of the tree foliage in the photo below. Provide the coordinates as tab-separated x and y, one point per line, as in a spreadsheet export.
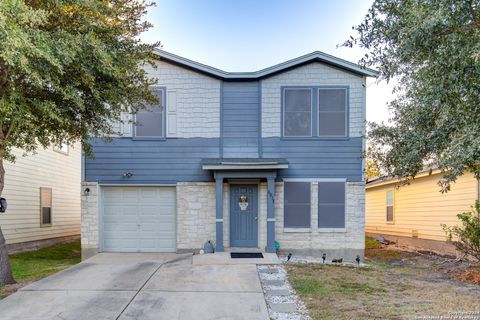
432	47
372	169
67	69
466	238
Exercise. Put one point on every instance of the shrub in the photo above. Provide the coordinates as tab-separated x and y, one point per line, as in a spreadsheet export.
466	238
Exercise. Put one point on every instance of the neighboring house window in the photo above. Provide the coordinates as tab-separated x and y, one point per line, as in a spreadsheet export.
150	122
62	148
297	120
332	112
389	210
331	205
296	205
45	206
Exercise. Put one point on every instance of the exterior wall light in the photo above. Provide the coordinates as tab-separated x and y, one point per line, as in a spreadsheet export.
3	205
86	191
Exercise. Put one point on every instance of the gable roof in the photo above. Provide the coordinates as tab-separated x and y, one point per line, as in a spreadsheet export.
316	56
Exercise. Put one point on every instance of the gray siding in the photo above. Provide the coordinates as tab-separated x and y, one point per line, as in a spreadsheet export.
240	119
150	161
173	160
317	158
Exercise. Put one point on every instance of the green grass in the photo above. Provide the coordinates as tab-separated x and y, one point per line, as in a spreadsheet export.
371	243
34	265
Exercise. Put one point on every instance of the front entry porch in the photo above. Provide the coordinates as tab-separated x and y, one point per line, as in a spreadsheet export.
244	177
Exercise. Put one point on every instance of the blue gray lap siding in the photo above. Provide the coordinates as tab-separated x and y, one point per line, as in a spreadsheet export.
176	160
240	119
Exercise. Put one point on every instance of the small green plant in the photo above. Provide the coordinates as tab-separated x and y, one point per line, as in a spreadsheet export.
466	238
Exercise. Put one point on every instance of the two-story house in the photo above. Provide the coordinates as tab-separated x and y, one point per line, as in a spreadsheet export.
244	159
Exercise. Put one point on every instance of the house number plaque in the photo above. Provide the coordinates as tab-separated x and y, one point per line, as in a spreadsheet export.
243	202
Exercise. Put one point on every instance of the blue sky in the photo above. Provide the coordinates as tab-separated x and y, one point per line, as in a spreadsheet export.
248	35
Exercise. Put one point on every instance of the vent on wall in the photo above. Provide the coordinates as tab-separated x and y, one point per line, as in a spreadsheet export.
414	233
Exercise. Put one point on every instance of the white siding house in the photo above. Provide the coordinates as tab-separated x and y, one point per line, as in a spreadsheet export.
43	195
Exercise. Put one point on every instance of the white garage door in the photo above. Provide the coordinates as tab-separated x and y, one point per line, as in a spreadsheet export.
138	219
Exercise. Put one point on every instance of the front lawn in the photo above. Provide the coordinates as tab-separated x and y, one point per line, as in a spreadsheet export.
396	285
33	265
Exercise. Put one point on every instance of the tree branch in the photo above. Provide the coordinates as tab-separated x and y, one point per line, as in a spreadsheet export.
4	68
9	131
468	27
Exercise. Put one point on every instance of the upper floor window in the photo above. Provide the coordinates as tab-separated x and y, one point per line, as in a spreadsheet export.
328	119
150	122
297	113
332	112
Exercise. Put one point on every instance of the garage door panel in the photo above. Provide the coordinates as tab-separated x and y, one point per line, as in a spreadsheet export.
139	219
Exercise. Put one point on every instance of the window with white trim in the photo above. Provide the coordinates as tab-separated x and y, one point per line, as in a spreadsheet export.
150	122
45	206
296	205
332	112
297	112
331	205
389	206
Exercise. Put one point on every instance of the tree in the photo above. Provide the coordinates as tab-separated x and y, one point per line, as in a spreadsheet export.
432	47
67	69
371	169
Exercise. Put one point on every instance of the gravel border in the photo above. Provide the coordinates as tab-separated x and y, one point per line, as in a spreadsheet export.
301	312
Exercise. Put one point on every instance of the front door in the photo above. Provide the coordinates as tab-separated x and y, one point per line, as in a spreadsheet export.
244	215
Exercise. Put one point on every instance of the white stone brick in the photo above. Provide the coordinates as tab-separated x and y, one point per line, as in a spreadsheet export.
195	214
89	220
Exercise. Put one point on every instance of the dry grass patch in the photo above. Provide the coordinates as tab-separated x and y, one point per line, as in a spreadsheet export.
397	285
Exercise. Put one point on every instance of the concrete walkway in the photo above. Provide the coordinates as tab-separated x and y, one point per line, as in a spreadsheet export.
141	286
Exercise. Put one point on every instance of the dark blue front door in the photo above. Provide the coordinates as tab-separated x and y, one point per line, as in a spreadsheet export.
243	215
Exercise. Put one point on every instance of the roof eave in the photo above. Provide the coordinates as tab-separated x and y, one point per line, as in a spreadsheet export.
315	56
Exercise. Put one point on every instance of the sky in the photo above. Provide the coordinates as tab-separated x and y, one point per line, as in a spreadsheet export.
249	35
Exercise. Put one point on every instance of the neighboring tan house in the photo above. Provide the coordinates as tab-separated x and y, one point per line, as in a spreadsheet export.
413	214
43	196
240	158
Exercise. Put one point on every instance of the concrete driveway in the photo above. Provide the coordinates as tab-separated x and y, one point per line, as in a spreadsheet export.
141	286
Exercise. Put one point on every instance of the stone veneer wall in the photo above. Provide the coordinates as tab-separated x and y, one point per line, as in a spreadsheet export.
338	243
89	226
195	214
196	221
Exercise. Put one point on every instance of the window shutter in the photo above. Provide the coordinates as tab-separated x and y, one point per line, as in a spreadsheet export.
172	113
